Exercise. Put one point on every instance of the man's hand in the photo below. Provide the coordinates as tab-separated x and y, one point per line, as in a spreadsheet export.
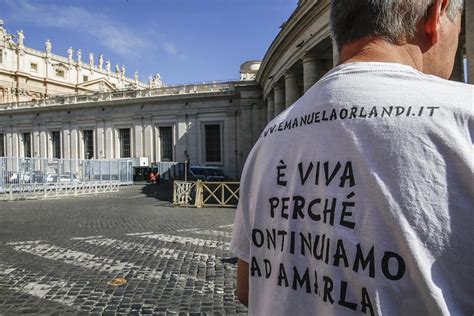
242	290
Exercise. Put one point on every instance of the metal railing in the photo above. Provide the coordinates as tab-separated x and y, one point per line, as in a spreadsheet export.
169	169
15	170
42	178
56	190
206	194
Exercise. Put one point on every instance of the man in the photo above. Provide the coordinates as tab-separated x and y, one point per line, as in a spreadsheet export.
359	197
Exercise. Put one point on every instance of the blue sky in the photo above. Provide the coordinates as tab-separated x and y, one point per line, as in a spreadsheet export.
183	40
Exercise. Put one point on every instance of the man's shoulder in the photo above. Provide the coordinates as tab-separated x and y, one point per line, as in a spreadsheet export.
387	82
393	71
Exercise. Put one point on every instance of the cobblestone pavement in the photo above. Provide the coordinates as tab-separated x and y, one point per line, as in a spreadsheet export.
67	257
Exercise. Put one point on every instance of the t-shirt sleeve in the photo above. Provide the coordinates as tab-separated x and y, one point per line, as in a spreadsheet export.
240	244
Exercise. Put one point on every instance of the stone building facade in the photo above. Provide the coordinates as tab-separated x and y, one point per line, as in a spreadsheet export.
27	74
207	124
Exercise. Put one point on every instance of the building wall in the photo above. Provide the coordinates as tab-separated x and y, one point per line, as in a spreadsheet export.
235	110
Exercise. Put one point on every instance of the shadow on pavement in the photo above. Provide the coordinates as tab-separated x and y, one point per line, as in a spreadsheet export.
162	191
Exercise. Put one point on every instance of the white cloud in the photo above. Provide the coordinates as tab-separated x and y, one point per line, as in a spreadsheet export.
110	33
170	48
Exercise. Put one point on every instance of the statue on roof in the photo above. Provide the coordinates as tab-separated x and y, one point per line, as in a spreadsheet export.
107	66
101	61
156	81
2	31
20	37
91	60
47	46
79	56
69	54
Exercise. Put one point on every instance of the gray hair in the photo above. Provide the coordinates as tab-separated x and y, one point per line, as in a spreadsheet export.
391	20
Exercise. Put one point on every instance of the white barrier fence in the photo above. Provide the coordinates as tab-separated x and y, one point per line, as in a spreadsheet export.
43	178
19	170
13	192
206	194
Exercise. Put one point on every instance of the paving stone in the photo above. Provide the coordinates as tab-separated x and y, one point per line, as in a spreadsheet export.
163	277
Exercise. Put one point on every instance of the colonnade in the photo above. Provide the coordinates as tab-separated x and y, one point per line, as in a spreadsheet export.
293	84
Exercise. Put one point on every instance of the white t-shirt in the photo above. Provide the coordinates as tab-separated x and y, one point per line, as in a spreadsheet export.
359	198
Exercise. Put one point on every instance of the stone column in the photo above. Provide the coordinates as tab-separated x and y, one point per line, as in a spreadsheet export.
21	146
36	142
310	71
193	138
14	142
291	88
80	152
259	118
156	143
279	98
100	140
65	137
470	40
10	143
148	141
182	139
74	154
43	144
138	134
244	133
109	141
49	144
270	106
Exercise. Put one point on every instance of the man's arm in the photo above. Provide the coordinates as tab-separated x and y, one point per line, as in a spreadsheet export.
242	290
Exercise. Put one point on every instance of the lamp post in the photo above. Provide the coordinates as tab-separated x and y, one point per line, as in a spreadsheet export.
186	166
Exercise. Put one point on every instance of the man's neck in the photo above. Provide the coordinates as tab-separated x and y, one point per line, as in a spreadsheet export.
370	50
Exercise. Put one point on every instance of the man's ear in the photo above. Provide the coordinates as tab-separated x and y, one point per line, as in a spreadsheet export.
432	21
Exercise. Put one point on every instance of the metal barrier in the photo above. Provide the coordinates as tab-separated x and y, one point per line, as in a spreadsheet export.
55	190
14	170
44	178
169	169
206	194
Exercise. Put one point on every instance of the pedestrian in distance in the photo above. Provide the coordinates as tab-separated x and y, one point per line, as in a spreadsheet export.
359	198
151	177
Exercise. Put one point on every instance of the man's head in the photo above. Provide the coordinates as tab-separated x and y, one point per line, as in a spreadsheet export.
431	25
